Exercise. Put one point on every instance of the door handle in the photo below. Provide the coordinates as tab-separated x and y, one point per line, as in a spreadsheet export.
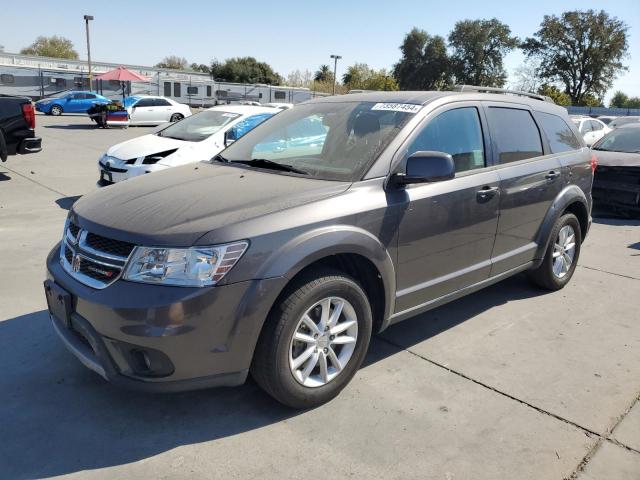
486	193
552	175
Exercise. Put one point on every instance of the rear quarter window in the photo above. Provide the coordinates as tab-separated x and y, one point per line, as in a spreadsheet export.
559	135
514	134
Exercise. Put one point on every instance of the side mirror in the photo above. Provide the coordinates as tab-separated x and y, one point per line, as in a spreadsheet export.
426	167
229	137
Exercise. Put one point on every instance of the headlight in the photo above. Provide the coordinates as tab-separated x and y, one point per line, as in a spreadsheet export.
187	267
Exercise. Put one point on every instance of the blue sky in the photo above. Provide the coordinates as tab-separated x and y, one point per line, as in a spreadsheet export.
287	34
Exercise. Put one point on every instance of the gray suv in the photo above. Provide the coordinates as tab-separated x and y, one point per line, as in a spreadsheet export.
325	224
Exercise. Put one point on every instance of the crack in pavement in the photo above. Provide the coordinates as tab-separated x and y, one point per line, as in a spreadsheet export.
601	437
35	181
610	273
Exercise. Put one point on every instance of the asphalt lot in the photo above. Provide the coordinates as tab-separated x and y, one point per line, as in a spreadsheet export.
510	382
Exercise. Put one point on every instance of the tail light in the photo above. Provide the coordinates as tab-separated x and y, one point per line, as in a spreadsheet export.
594	163
29	114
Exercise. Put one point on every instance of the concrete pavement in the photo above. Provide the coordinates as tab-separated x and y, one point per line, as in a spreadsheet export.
511	382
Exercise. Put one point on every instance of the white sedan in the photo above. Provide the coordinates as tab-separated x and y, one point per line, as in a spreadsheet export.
591	129
194	139
150	110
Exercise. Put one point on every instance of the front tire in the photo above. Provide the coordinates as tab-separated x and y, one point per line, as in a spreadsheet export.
314	340
561	257
56	110
176	117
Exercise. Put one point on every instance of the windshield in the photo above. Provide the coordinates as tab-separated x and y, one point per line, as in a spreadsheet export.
622	140
329	141
199	126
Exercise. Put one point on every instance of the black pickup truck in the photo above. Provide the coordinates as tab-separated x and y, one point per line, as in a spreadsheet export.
17	127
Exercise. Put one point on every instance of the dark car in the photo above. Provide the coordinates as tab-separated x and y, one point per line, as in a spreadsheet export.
616	184
282	256
620	121
17	127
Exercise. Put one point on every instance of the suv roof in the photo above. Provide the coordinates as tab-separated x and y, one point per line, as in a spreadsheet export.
423	98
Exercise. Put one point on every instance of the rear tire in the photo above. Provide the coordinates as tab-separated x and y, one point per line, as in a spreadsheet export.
561	258
176	117
56	110
4	154
294	331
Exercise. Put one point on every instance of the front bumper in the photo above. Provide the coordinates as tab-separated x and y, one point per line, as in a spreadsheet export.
617	187
160	338
113	174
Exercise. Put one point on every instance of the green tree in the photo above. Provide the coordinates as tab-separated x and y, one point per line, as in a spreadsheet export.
56	47
619	100
424	64
174	62
478	49
323	74
245	70
590	100
199	67
557	95
583	50
633	102
360	76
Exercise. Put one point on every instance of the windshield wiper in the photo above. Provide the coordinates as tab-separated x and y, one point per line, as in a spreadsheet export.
219	158
264	163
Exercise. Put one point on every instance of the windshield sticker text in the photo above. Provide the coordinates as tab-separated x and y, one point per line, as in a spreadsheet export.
398	107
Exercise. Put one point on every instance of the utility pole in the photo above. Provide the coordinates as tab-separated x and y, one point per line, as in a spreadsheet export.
86	20
335	69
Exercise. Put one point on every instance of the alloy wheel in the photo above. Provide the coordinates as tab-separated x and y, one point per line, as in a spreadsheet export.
323	342
564	251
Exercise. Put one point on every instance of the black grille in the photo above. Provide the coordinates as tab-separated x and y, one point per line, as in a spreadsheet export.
68	255
74	229
108	245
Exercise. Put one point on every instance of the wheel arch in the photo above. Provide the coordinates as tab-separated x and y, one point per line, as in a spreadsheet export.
571	199
352	250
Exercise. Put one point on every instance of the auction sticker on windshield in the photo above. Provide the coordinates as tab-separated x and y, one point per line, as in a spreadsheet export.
398	107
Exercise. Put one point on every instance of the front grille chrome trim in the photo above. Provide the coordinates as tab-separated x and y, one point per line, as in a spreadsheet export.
77	246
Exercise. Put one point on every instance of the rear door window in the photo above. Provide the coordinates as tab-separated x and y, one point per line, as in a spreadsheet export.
145	102
515	134
559	135
595	126
457	132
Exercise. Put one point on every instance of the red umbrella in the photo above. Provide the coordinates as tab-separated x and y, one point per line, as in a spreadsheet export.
122	75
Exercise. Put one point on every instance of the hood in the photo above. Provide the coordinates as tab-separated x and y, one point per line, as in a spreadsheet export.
617	159
179	205
143	146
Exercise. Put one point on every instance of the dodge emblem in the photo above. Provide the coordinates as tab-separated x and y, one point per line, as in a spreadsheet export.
75	263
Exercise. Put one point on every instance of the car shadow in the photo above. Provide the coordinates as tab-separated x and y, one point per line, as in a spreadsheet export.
67	202
422	327
60	418
615	219
4	177
72	126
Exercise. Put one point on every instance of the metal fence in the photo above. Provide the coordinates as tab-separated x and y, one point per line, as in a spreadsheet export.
614	112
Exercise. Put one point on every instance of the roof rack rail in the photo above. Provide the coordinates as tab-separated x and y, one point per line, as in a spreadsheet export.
475	88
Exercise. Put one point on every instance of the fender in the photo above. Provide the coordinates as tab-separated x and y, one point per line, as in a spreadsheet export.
313	245
567	196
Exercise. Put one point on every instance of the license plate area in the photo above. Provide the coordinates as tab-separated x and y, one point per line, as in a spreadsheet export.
58	302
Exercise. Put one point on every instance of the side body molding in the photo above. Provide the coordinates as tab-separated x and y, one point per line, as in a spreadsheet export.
309	247
570	194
